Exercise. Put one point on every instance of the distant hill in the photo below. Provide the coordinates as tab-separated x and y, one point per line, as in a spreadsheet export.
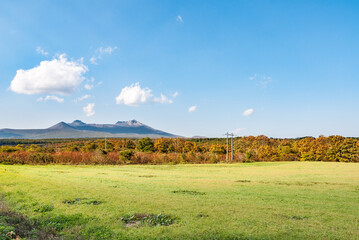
199	137
79	129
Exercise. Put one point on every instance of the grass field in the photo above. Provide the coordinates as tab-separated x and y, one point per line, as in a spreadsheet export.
282	200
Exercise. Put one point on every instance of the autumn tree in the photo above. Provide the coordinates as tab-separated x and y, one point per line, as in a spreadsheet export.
163	145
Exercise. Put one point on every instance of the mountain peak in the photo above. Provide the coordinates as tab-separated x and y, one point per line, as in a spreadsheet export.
60	125
130	123
77	123
134	122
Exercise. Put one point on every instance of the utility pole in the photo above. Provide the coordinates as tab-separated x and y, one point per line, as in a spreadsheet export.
229	134
232	147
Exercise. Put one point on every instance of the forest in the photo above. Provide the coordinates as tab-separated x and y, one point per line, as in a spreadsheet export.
177	150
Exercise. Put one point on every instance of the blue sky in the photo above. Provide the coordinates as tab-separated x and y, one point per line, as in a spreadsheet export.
278	68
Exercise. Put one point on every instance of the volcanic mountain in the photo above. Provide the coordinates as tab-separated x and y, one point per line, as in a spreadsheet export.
79	129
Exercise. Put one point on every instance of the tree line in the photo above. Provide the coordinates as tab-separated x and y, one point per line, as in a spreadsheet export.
177	150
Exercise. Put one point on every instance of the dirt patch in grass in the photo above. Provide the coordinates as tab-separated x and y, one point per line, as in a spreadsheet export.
62	171
298	217
147	176
244	181
306	184
87	201
138	219
202	215
189	192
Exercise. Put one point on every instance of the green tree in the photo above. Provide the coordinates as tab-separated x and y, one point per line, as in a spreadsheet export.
130	144
145	145
127	154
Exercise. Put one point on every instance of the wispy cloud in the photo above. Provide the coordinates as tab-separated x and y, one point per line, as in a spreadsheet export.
93	60
162	99
179	18
248	112
253	77
100	52
79	99
261	80
88	86
89	109
41	51
58	76
107	50
175	94
192	109
264	81
51	97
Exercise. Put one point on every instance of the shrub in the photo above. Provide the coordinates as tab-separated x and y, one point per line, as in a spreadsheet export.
127	155
41	158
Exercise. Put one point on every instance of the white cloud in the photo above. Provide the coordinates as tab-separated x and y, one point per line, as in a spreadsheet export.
58	76
100	52
41	51
179	18
134	95
54	98
248	112
162	99
175	94
192	109
79	99
89	109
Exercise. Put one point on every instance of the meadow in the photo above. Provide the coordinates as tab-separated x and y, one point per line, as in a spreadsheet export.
263	200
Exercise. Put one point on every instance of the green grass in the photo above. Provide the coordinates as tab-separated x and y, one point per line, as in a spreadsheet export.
286	200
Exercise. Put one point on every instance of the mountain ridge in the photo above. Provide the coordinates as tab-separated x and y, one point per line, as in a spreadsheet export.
79	129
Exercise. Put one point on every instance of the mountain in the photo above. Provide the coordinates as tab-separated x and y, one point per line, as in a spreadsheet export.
79	129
